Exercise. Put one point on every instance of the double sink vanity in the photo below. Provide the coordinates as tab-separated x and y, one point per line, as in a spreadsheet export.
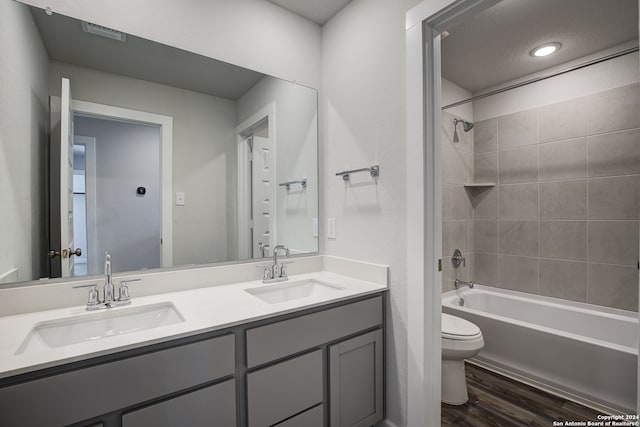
303	352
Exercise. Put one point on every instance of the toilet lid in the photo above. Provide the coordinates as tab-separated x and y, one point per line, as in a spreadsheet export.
453	327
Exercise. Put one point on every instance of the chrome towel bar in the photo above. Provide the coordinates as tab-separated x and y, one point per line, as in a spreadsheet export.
288	184
374	171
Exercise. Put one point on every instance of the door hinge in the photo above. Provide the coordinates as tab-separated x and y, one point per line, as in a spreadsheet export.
439	265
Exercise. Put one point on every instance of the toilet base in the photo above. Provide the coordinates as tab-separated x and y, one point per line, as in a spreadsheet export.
454	382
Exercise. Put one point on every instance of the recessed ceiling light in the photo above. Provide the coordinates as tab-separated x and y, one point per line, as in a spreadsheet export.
545	49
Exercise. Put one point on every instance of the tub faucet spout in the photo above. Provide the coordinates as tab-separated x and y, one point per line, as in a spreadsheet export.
461	283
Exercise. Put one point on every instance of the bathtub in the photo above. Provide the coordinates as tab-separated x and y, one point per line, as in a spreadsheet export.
583	352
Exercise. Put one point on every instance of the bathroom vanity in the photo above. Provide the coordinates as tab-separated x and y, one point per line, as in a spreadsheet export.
311	361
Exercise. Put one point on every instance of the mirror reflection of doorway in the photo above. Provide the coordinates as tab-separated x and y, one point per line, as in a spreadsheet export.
119	189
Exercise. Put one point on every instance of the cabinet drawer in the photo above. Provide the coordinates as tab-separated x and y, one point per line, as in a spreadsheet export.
78	395
280	391
270	342
211	406
314	417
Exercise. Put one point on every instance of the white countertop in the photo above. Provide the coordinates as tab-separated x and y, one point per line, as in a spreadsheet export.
204	310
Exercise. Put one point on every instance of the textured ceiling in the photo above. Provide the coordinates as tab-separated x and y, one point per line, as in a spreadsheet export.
318	11
142	59
493	47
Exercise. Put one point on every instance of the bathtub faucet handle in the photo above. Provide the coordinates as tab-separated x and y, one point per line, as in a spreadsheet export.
458	259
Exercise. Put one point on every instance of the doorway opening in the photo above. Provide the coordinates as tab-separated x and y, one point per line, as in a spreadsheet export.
125	196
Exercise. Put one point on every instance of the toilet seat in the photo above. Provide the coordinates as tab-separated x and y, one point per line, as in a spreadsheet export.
456	328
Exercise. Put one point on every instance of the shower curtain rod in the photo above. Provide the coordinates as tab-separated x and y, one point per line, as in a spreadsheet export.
544	77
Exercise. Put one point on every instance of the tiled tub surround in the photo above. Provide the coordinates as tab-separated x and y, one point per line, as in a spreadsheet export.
457	211
563	220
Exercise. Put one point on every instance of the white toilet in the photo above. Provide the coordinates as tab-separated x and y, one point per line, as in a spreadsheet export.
461	340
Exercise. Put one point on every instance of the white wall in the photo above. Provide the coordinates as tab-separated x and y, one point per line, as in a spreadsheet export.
129	225
451	93
251	33
296	148
362	122
204	154
596	78
24	112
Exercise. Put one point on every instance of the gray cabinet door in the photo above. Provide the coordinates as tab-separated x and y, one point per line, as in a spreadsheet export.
356	381
314	417
283	390
211	406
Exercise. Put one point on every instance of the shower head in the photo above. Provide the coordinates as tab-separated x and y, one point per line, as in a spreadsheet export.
467	126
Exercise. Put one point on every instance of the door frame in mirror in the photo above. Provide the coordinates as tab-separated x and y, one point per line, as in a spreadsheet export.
243	130
165	123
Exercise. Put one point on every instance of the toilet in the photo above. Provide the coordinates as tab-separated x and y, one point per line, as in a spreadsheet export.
461	340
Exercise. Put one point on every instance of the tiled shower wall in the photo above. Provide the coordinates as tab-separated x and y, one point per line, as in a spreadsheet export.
457	211
563	219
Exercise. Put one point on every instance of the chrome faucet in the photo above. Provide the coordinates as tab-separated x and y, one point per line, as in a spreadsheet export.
461	283
108	290
276	272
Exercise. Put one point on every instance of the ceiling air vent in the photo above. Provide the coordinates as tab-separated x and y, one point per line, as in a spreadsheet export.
99	30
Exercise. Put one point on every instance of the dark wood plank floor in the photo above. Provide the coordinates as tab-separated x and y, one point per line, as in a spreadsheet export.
495	400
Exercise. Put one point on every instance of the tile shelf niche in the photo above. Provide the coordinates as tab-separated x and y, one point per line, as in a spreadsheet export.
479	184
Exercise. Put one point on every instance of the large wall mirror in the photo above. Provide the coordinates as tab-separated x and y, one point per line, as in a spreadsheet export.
164	158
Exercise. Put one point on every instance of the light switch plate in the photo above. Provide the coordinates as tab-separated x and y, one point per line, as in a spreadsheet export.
331	228
180	198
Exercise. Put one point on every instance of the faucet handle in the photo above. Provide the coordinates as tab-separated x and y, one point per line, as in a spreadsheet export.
283	271
266	275
123	291
94	295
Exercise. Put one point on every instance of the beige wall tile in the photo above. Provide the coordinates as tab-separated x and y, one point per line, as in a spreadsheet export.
518	129
456	166
518	201
563	120
518	165
518	273
461	207
613	109
613	242
563	160
485	236
614	153
485	167
454	236
613	286
563	200
485	136
486	268
485	203
563	279
518	238
563	240
614	198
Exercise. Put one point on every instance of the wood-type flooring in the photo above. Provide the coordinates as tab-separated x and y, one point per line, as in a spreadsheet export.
495	400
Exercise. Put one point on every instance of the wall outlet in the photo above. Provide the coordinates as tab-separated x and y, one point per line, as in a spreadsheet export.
180	198
331	228
315	227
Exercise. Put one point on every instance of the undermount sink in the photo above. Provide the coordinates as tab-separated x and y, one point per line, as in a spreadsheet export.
290	291
117	321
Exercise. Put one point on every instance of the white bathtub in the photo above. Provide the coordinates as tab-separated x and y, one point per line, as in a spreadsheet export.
585	352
